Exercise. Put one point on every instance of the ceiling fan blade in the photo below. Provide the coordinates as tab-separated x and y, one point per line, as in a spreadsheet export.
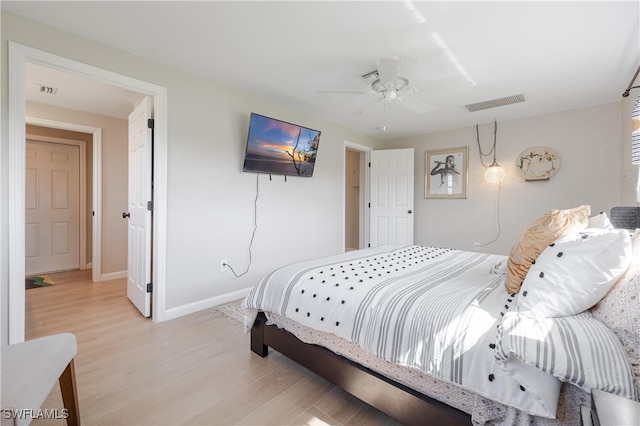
388	71
356	91
360	110
415	105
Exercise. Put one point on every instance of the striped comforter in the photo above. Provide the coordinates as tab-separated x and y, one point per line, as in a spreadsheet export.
428	308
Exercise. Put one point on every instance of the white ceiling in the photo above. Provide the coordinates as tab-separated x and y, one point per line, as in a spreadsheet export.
79	93
559	55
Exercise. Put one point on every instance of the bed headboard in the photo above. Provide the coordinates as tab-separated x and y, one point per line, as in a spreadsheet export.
625	217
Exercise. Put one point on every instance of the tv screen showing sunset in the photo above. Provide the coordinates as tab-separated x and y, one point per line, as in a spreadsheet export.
278	147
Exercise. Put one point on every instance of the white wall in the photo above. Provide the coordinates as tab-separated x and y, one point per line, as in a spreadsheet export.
589	142
210	199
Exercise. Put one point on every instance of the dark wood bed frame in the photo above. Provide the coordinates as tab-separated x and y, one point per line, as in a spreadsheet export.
400	402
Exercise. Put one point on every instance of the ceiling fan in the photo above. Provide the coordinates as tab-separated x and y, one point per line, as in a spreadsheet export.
389	87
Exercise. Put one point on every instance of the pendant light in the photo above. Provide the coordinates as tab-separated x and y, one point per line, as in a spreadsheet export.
494	174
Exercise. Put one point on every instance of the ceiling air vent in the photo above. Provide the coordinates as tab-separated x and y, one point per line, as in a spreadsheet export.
495	103
47	89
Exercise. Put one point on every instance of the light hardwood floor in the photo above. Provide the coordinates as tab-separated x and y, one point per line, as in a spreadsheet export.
195	370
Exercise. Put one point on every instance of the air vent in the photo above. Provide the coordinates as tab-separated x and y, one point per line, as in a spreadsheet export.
495	103
47	89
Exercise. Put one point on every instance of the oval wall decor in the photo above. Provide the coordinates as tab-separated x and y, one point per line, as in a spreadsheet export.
538	163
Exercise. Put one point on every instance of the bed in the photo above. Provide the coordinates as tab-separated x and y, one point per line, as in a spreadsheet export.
431	335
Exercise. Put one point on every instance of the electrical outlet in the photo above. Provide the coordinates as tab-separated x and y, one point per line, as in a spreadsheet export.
224	265
476	246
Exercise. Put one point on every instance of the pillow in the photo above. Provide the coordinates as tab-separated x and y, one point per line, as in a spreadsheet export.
601	220
620	308
574	272
577	349
542	232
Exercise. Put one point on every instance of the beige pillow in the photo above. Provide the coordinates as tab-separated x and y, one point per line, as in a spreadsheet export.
542	232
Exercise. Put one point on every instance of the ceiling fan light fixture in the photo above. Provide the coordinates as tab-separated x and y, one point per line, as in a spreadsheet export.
400	85
389	88
390	94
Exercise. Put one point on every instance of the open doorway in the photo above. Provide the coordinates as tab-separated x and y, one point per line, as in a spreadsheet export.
19	56
356	184
353	162
92	136
58	202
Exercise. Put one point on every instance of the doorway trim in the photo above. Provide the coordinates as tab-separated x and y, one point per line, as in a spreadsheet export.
96	202
18	56
364	191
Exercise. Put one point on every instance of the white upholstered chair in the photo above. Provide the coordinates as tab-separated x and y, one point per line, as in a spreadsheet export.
30	370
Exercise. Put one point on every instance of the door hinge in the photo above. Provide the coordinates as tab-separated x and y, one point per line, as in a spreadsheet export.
150	123
369	245
149	287
150	206
369	205
369	163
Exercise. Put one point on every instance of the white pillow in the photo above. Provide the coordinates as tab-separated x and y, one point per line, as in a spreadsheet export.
600	220
574	272
620	308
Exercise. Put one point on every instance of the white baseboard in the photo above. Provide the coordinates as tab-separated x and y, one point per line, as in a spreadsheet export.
204	304
113	276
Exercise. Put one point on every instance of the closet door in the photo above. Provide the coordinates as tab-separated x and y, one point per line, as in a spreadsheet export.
52	207
391	197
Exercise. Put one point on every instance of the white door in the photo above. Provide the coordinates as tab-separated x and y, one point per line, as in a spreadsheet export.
52	207
139	213
391	197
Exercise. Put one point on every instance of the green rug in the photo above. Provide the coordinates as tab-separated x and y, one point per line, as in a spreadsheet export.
39	281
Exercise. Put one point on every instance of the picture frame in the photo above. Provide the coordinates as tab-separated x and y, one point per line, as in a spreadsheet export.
446	173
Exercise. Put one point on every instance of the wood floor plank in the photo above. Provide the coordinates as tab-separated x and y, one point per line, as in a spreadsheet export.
289	404
339	405
315	417
193	370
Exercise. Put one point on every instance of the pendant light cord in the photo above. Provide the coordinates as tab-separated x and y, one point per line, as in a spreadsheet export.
498	219
492	151
493	148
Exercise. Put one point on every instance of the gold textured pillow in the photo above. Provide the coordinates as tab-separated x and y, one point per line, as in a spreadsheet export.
542	232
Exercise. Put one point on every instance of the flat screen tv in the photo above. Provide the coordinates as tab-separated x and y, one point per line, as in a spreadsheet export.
281	148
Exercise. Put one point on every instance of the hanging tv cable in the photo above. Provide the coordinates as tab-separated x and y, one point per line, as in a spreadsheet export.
253	234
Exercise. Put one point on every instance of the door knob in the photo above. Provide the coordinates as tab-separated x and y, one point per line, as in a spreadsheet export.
126	215
410	212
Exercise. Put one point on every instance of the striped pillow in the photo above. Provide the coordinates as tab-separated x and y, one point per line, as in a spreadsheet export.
577	349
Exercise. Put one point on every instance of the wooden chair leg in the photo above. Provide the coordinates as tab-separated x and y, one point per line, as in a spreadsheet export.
70	394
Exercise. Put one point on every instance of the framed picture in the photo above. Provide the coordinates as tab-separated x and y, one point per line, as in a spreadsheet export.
446	173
